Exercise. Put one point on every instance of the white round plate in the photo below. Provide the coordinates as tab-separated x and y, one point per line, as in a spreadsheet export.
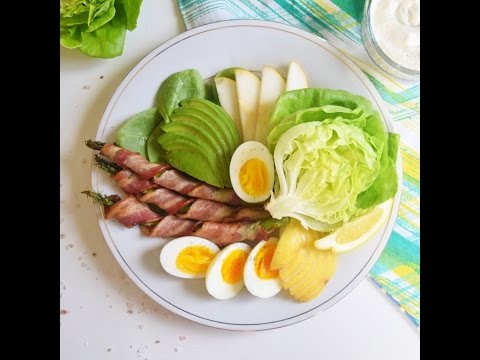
210	48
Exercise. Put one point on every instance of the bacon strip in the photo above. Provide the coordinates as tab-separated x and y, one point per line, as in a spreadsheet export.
131	183
130	212
133	161
165	199
172	202
171	226
175	180
224	234
204	210
220	233
208	192
169	178
250	214
207	210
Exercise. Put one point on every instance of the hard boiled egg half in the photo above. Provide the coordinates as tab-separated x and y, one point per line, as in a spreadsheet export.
188	256
259	279
224	277
252	172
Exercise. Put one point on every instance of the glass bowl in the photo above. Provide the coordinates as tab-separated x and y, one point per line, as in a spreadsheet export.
378	56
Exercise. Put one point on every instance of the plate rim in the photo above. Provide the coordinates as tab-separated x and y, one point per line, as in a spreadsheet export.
381	106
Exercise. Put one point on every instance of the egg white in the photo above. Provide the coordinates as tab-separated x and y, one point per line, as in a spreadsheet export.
263	288
216	286
171	250
246	151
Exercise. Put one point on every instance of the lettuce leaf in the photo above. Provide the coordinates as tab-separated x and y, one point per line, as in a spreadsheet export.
97	27
108	40
292	101
321	169
386	184
325	113
295	110
132	10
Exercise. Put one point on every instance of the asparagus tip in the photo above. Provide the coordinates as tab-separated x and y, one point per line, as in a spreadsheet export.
95	145
272	224
102	199
106	165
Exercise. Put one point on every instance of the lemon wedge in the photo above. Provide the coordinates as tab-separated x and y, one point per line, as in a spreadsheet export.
356	232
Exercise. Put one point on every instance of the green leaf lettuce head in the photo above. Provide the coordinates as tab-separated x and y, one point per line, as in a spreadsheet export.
333	157
97	27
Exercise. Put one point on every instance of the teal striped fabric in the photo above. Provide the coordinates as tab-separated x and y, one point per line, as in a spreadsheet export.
397	272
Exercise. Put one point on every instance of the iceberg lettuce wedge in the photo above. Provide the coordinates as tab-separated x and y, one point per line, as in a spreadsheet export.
333	156
321	169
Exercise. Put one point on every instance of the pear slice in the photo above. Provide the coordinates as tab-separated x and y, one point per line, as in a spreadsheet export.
296	78
273	85
227	94
248	90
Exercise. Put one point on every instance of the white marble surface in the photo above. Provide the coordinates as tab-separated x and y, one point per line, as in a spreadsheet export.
108	317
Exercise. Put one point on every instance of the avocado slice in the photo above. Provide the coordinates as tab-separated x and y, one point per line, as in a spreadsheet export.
196	165
216	112
207	140
214	120
200	127
205	124
175	144
193	164
219	132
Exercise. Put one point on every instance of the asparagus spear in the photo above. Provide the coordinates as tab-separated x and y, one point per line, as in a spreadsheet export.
112	199
147	170
108	166
114	169
102	199
268	225
95	145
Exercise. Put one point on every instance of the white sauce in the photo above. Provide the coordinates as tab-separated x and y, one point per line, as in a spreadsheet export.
396	27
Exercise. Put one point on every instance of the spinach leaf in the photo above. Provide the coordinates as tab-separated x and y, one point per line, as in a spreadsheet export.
133	134
183	85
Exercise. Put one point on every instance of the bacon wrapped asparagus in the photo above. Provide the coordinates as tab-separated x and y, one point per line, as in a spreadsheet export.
174	203
130	211
163	174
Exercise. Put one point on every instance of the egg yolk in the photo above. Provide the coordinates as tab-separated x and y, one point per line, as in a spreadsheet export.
232	268
194	260
254	177
262	261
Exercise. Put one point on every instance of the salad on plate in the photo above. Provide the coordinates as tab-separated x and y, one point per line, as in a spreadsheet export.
257	181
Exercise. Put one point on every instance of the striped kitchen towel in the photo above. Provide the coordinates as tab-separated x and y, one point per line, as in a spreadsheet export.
397	272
